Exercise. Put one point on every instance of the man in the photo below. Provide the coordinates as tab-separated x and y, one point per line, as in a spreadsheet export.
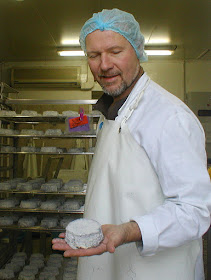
148	184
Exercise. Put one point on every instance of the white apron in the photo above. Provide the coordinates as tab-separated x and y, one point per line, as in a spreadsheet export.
122	184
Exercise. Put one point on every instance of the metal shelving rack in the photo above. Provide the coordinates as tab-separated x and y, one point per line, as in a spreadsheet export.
5	89
19	119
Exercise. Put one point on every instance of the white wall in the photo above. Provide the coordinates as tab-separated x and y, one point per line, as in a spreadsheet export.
169	75
198	76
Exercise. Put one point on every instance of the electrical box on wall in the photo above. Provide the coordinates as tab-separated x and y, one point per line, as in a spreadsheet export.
199	102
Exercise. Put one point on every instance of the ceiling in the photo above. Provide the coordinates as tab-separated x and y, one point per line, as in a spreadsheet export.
31	30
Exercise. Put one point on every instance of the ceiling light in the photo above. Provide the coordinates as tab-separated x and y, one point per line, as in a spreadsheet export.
159	41
150	50
160	50
71	42
70	51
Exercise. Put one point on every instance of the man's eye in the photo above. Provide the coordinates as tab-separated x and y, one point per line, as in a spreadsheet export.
116	52
92	55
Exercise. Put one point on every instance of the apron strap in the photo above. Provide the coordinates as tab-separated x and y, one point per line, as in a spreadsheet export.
133	106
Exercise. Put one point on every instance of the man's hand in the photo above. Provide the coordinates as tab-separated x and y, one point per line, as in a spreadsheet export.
114	236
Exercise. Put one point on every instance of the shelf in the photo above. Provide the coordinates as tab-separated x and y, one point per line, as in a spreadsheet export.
32	229
42	153
38	210
38	119
38	192
73	135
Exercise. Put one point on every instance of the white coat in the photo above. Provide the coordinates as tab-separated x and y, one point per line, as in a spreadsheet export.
123	185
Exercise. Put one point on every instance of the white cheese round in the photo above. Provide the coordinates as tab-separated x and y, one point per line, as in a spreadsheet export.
83	233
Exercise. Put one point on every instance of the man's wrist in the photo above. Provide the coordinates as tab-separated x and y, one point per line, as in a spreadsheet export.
132	232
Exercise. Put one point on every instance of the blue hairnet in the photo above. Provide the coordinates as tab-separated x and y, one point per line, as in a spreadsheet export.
117	21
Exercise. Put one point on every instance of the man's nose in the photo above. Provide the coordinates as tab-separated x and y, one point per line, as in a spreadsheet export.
106	62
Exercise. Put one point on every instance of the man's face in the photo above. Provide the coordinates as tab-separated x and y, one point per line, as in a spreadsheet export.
112	60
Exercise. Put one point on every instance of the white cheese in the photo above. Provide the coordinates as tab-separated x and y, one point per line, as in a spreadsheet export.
83	233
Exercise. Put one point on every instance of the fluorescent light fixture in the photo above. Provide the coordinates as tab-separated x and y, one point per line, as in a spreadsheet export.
159	41
160	50
70	51
71	42
150	50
